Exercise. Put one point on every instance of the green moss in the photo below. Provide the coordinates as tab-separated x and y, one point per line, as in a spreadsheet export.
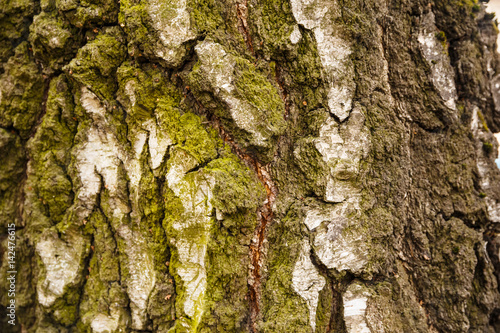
490	17
53	41
272	23
236	187
206	15
141	87
15	17
325	307
483	121
49	151
22	92
96	63
282	308
311	165
456	17
148	95
227	283
104	262
487	147
187	132
150	27
300	69
88	13
253	86
151	207
441	36
235	193
253	112
102	291
132	18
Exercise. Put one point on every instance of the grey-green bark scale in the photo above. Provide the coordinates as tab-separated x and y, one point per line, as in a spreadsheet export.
250	165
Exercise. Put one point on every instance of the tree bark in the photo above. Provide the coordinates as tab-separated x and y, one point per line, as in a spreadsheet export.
249	166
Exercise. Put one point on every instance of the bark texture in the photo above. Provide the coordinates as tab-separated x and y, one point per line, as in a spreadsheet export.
250	165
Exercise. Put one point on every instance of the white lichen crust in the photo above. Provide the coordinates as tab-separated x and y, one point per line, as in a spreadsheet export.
62	262
307	281
436	55
217	68
334	52
100	159
190	234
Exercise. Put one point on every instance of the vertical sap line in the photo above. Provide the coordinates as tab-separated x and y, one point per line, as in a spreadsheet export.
264	213
242	12
265	217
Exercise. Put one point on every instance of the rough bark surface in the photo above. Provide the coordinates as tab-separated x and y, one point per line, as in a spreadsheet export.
250	165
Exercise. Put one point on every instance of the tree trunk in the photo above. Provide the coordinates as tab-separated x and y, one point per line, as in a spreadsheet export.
249	166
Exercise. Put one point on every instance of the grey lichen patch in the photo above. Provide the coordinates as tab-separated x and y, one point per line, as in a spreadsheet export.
342	147
307	281
160	29
334	51
245	99
172	22
336	240
62	261
436	54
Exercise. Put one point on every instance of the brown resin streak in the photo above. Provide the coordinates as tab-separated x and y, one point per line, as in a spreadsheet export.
264	213
265	216
242	12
